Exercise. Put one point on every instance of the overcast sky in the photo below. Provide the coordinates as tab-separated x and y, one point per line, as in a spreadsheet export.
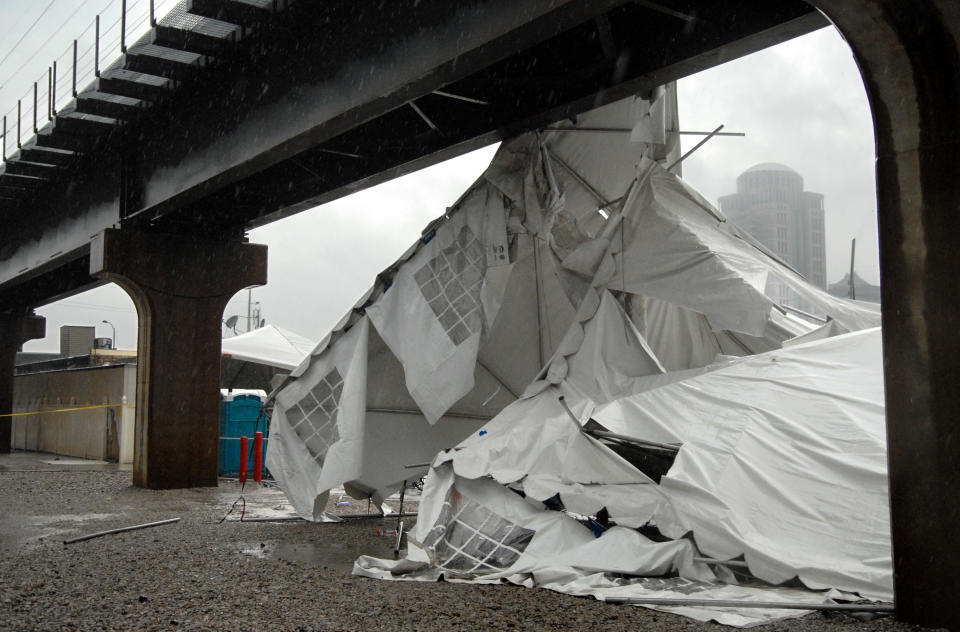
801	103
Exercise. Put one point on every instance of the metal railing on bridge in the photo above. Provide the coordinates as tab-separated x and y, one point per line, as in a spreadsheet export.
123	60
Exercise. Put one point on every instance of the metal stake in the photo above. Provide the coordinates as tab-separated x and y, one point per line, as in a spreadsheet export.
19	116
34	107
153	15
400	513
49	93
4	137
123	26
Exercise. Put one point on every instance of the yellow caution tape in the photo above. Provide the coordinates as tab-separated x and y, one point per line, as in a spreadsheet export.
67	410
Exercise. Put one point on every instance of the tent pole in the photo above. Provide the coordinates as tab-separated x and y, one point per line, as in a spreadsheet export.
774	605
536	275
497	378
695	148
851	291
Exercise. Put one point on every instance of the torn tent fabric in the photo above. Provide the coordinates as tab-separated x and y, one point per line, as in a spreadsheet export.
680	249
477	530
783	462
317	425
468	316
433	315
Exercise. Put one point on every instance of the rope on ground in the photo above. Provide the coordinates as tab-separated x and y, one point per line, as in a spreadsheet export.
66	410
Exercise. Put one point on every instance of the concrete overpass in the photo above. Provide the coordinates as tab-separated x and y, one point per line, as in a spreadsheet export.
230	114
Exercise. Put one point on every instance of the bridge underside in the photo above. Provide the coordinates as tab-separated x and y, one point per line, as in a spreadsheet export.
218	135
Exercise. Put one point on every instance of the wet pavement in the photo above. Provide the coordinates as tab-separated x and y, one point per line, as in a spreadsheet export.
210	571
43	462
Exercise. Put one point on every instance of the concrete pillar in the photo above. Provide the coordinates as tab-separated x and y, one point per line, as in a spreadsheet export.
180	287
909	56
15	329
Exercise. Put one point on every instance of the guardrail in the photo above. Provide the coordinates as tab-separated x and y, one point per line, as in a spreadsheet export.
97	47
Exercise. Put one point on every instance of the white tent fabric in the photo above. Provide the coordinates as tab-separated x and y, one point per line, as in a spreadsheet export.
783	462
682	250
577	265
441	299
269	345
477	530
777	465
313	445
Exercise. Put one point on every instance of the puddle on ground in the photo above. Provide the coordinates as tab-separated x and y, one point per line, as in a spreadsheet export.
32	531
332	554
87	517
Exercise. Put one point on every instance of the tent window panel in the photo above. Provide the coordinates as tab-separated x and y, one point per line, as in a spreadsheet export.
451	284
470	538
318	428
316	445
303	429
458	333
431	289
295	415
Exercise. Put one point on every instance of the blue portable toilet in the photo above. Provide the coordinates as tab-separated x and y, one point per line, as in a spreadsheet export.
239	411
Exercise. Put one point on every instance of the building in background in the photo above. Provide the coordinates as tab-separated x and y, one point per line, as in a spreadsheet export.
771	205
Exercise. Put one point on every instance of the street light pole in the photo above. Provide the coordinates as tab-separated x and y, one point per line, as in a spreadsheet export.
113	336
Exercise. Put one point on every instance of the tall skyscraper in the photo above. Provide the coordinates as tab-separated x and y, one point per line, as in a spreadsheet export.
771	205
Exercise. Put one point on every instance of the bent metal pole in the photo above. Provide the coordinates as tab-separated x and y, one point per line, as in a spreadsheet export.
121	530
772	605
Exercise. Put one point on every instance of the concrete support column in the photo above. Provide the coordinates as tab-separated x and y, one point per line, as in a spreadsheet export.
909	56
15	329
180	287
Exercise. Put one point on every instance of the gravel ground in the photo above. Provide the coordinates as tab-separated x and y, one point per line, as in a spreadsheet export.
200	574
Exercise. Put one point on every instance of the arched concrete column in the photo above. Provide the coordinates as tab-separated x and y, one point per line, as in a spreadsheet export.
15	329
180	287
910	62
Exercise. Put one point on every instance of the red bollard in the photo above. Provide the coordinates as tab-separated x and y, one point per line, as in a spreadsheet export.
257	456
243	459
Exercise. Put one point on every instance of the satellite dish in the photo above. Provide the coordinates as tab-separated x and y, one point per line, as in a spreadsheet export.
232	321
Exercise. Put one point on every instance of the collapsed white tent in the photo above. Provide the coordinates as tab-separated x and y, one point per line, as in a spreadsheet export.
578	264
268	345
782	463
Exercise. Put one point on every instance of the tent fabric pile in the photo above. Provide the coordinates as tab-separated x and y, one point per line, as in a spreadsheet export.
580	286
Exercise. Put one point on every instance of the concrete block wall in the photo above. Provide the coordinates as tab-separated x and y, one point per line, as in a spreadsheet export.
98	433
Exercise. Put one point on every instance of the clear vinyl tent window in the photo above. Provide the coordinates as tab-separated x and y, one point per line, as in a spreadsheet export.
314	418
451	284
469	539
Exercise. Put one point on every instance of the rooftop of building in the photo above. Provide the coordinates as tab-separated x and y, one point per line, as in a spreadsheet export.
769	166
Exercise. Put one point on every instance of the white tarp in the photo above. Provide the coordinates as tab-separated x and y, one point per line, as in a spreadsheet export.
680	249
269	345
477	530
441	299
316	425
783	462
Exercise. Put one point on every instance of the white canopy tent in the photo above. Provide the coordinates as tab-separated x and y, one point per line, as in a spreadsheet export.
269	345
